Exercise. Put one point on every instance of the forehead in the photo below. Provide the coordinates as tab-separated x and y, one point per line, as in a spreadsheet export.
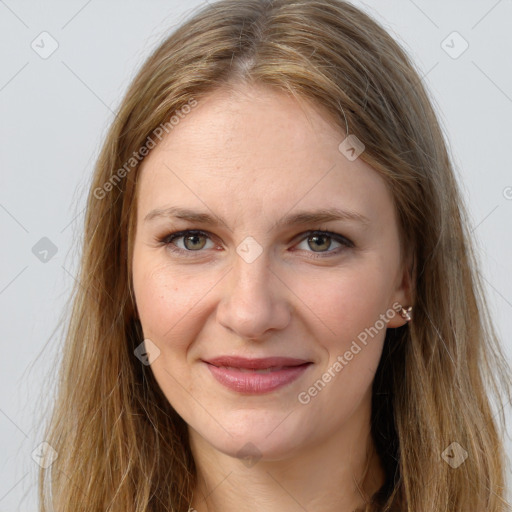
237	125
254	153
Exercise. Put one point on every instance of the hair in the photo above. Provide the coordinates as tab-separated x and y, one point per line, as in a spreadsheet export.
121	445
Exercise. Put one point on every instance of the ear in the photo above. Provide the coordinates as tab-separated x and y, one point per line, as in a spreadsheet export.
404	292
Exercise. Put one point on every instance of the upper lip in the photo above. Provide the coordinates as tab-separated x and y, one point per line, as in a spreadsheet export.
256	363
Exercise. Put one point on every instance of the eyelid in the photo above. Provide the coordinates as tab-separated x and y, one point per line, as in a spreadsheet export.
168	239
331	234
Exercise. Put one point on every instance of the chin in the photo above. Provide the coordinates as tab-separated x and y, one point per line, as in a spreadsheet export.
249	448
257	436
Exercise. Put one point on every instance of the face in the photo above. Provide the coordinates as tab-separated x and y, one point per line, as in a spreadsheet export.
266	269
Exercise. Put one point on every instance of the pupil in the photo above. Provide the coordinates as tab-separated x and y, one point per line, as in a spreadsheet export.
193	240
321	237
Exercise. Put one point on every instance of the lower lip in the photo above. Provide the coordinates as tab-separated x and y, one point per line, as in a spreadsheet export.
254	382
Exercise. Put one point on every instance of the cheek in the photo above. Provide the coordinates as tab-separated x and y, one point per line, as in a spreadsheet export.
348	306
345	301
167	301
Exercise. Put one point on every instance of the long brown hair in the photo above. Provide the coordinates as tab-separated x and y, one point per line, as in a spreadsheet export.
121	445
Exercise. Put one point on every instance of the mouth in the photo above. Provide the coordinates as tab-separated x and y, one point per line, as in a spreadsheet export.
256	376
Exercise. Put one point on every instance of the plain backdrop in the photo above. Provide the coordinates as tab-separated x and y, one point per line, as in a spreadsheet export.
54	112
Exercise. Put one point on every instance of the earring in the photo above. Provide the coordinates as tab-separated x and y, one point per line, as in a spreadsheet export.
405	313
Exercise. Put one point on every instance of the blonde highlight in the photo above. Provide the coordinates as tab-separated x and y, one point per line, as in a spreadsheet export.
121	445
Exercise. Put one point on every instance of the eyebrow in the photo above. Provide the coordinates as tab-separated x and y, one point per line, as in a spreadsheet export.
301	217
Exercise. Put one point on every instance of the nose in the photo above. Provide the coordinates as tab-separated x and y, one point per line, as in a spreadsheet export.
254	301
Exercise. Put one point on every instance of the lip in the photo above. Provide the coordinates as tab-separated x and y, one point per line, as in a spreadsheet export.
256	376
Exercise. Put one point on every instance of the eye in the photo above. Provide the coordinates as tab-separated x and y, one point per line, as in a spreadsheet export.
324	242
187	241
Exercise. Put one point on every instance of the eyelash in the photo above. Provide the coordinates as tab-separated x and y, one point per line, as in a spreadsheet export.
168	240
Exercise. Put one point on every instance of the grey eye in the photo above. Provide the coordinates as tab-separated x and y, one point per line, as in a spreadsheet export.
319	243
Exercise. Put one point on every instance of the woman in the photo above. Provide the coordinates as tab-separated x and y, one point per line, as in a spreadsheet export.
279	306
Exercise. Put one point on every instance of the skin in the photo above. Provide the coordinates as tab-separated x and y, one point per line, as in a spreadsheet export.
252	157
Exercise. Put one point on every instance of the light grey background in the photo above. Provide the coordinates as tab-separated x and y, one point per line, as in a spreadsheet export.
54	113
